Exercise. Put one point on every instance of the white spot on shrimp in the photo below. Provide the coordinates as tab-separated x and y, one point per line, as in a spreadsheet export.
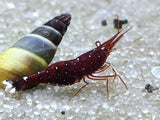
75	65
25	79
102	48
38	73
49	77
77	59
58	74
89	56
99	56
91	63
47	71
56	68
66	73
83	69
66	65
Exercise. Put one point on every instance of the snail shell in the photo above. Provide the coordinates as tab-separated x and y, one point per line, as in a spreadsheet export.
35	51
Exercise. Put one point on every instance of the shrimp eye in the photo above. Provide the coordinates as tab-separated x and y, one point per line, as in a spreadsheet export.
98	43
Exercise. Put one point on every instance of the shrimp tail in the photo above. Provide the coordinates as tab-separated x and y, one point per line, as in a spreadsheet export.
23	84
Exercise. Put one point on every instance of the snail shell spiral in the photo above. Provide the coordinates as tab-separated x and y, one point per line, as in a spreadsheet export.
35	51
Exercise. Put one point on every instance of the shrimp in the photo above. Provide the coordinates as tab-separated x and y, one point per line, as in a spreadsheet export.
73	71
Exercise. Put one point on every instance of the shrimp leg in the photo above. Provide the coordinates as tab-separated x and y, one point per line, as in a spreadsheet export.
86	83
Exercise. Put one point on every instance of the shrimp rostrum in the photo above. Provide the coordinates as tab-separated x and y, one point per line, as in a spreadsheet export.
73	71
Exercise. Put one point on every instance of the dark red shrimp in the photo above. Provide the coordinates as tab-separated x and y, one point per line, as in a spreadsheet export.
73	71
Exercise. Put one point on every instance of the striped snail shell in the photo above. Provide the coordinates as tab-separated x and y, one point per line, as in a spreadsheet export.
35	51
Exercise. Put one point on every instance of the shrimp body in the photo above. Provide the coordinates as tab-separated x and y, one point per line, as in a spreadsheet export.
73	71
65	72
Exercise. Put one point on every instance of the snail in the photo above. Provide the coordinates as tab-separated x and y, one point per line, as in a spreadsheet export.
35	51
